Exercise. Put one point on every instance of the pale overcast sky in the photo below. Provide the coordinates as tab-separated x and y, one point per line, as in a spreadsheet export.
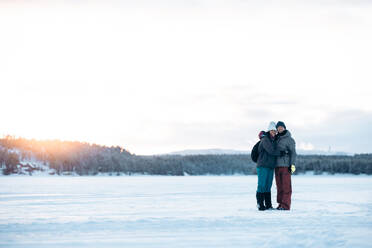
162	76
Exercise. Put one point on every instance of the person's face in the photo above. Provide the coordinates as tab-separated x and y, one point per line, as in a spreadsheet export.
281	129
272	133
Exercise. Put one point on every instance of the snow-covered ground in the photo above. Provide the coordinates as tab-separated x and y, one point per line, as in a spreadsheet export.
203	211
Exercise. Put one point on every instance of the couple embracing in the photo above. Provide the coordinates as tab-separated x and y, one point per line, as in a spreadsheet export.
276	151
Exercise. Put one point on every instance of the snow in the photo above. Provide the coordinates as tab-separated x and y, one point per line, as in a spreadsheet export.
202	211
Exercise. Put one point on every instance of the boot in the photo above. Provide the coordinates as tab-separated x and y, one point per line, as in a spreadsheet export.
268	204
260	201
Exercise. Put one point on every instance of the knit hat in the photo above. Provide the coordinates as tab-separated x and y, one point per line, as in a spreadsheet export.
261	134
281	124
271	126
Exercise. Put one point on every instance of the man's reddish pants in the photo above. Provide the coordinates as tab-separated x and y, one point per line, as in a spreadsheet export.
284	187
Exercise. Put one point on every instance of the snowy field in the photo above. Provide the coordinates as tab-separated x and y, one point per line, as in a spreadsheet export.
205	211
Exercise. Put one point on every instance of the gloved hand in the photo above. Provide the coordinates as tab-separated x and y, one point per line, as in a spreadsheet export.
292	168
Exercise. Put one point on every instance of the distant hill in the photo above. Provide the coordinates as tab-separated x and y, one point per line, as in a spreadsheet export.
232	151
207	152
319	152
54	157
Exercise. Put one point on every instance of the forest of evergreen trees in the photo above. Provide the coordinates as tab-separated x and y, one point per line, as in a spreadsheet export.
90	159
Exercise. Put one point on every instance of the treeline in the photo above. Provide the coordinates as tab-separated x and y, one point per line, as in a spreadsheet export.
357	164
62	156
66	157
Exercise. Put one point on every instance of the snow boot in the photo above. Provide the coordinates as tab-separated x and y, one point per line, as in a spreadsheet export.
282	208
260	201
268	204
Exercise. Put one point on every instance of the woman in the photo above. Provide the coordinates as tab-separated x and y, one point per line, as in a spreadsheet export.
265	167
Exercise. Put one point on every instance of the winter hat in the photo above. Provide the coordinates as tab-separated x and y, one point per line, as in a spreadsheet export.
261	134
281	124
271	126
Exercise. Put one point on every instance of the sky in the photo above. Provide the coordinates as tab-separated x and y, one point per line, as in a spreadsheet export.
162	76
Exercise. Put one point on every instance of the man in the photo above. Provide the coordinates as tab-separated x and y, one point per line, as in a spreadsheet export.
285	166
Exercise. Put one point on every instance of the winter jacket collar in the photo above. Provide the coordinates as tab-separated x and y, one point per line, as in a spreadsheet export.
267	134
285	133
